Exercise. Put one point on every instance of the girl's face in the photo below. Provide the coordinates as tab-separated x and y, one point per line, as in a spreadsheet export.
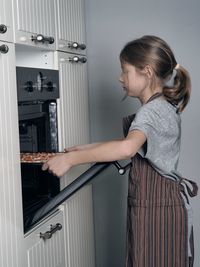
134	82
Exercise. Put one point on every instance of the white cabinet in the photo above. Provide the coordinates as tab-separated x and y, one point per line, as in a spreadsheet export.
11	224
80	250
6	21
45	245
35	22
73	109
70	28
73	122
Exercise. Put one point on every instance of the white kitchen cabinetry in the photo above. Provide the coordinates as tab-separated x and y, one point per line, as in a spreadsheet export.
73	109
6	21
80	229
11	224
70	28
45	245
73	122
35	22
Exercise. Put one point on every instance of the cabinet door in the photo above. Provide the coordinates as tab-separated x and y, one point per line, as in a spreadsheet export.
80	230
6	23
11	224
33	17
73	110
48	252
71	25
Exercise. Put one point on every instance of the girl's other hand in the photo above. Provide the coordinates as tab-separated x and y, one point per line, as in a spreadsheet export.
58	165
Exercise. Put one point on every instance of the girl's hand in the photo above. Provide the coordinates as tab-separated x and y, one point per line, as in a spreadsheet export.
58	165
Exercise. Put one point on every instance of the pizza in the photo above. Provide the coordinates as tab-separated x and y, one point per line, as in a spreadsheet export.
37	157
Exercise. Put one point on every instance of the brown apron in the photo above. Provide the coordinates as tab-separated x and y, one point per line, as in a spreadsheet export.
157	219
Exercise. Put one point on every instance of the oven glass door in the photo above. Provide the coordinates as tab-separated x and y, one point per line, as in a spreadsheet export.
38	188
38	133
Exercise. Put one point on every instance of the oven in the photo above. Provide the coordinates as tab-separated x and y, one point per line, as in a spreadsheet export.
37	91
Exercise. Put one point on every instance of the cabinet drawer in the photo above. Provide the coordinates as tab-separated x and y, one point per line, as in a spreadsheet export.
45	245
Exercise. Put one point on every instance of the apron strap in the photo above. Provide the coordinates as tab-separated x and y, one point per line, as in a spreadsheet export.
190	186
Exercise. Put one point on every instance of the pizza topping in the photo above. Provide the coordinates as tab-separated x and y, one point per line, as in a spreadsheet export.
38	157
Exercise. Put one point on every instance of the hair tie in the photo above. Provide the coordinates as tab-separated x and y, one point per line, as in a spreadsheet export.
177	66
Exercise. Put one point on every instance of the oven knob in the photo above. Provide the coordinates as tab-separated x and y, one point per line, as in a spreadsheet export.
29	86
50	86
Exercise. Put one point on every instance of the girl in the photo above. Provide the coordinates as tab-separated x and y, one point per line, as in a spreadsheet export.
159	231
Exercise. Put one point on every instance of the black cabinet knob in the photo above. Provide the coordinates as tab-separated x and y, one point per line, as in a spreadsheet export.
3	28
82	46
83	59
4	49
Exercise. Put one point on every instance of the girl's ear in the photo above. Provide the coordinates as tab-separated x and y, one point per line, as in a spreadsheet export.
148	71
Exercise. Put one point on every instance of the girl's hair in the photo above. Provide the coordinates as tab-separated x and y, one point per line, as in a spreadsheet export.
155	52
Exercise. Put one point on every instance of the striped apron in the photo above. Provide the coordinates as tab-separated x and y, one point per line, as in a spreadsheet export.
157	219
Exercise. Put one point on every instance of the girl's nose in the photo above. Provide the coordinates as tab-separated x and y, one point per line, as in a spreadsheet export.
120	79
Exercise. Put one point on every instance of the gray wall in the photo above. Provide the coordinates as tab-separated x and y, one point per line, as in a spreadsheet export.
110	24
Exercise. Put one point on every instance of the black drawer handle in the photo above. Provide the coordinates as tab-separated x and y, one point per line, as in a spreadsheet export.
75	45
39	38
77	59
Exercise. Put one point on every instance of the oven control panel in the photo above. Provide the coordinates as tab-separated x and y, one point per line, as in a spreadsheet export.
35	84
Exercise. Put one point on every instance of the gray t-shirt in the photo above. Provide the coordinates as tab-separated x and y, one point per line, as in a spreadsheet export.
161	124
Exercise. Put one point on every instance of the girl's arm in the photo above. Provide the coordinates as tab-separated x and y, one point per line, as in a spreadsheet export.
102	152
81	147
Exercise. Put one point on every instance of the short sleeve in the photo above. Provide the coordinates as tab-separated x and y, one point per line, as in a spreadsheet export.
145	121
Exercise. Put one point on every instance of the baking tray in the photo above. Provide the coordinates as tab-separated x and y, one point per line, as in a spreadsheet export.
34	158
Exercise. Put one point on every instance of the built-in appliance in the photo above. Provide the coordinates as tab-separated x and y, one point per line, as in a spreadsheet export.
37	91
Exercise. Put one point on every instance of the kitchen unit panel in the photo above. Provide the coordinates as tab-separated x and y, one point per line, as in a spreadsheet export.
35	23
6	21
73	109
80	229
11	219
44	249
71	26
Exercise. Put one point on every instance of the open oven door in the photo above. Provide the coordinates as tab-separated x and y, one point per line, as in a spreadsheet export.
68	191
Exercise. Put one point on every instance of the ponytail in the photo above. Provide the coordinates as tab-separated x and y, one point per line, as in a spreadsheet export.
178	89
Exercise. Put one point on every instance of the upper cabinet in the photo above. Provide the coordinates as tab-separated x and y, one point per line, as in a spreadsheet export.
35	23
6	23
70	20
